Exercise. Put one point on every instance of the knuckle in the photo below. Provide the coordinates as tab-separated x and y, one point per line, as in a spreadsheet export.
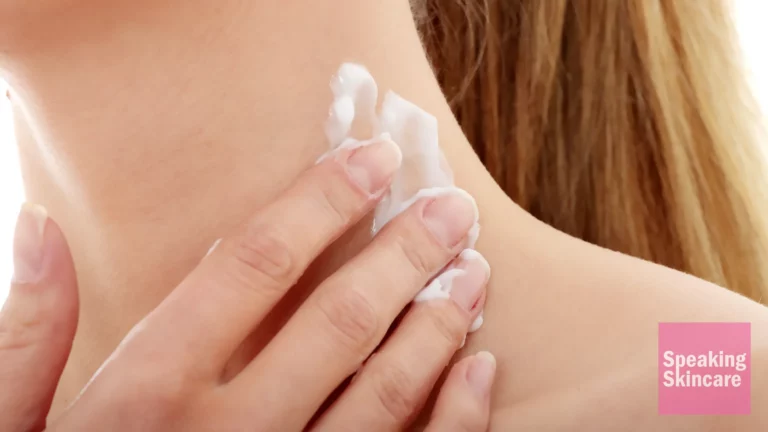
415	257
395	391
352	319
167	394
265	259
20	334
162	394
334	202
447	322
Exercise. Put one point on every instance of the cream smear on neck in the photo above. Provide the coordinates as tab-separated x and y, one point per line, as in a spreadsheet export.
353	122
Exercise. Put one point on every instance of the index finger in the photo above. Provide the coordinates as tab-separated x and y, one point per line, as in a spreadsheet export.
222	300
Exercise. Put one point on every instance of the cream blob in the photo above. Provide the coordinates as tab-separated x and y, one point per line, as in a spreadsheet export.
355	95
424	171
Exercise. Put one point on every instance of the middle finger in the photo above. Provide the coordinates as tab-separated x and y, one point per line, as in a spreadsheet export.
201	323
392	386
348	315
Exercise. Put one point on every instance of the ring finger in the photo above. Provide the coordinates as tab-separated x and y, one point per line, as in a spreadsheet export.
394	384
347	316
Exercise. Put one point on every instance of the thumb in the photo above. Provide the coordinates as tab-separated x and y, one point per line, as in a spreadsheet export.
37	322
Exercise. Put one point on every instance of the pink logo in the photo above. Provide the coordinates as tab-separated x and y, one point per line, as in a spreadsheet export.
704	368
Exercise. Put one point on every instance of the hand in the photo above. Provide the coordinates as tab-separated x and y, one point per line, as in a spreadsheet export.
167	373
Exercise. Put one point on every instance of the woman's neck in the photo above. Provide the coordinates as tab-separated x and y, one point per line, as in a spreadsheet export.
149	129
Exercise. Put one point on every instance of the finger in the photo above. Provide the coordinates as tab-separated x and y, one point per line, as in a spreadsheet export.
37	322
348	314
234	287
464	402
392	387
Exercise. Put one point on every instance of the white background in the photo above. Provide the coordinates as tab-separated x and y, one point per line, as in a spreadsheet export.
752	18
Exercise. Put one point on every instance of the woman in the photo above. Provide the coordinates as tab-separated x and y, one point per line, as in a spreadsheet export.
155	128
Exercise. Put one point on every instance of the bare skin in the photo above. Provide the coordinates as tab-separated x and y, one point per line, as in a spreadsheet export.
149	129
170	372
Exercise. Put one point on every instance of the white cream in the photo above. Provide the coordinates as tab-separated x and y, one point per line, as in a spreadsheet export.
471	254
355	94
424	171
440	287
350	143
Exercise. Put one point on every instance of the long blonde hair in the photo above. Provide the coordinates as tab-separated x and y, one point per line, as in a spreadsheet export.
625	123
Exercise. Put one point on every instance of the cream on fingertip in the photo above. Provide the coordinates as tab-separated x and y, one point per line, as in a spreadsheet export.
463	282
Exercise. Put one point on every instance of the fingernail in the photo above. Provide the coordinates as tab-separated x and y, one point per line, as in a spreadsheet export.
480	373
450	216
468	287
372	165
28	244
